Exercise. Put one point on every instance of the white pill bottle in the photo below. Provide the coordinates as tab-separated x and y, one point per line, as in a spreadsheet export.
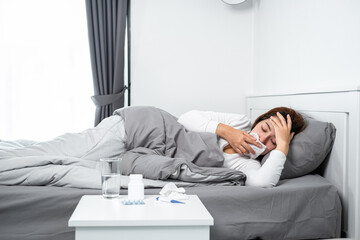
136	187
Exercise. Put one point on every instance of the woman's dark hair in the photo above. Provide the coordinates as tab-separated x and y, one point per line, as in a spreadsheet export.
297	120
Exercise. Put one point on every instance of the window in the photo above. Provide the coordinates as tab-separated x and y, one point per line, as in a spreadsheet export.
45	71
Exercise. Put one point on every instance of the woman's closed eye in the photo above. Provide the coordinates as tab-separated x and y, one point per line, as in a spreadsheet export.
265	128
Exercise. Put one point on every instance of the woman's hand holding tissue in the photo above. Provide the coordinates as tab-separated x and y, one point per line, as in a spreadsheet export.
239	140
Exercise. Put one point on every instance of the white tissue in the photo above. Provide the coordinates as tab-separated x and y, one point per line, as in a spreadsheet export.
171	192
257	150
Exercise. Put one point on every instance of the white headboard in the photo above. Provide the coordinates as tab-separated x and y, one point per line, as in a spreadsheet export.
342	108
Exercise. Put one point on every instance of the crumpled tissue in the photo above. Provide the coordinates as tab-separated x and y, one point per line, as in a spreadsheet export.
171	192
258	150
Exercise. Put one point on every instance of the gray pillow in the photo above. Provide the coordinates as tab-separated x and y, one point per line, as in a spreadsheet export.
309	148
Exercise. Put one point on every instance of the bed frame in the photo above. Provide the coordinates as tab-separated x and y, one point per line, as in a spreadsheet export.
342	167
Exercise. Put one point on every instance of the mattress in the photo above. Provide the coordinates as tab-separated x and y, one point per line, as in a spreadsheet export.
303	208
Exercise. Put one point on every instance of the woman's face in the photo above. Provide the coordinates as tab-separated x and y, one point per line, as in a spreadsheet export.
266	132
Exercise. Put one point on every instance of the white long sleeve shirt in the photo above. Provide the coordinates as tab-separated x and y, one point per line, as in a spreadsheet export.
266	175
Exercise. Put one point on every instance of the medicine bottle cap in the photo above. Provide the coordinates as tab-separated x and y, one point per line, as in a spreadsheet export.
136	176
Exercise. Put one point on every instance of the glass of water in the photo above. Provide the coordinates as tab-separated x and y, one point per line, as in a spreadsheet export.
110	177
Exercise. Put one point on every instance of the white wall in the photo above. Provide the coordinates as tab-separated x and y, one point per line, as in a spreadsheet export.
191	54
306	45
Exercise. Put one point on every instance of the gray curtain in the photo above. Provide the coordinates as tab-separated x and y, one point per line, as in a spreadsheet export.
106	28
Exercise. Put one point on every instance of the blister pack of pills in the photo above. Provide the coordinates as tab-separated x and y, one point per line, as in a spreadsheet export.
131	202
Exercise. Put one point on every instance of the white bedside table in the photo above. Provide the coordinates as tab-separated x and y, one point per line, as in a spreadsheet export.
96	218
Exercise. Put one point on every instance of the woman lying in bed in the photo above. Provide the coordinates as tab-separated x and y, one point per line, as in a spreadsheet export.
154	143
243	145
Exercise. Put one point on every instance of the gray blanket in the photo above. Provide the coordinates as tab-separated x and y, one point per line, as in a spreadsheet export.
157	147
162	149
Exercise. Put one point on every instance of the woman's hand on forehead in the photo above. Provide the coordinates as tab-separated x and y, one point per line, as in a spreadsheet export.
282	132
